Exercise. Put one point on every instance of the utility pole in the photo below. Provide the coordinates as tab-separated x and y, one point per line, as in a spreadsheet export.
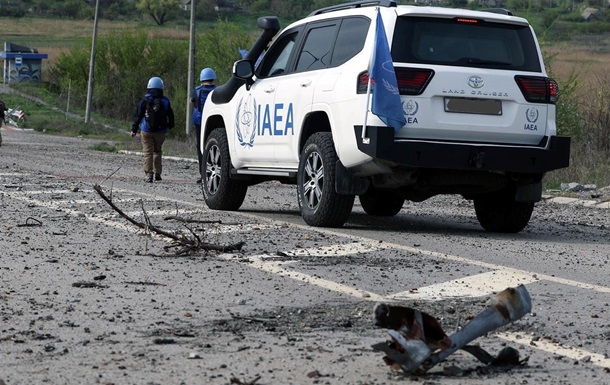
189	87
92	65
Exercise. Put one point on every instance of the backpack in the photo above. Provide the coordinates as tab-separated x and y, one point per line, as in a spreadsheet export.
202	95
156	113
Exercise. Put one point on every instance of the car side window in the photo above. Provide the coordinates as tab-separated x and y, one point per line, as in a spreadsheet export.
317	49
350	39
276	60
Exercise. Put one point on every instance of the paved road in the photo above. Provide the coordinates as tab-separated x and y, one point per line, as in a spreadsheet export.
86	297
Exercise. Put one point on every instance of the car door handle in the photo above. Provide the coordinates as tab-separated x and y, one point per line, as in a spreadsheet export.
306	83
269	90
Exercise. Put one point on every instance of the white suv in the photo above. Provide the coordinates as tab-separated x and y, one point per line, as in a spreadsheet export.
478	105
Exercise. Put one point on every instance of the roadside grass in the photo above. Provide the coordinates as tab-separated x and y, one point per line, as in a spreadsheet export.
44	116
104	147
586	167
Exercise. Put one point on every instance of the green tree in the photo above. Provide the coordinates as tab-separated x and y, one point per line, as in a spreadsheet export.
206	9
70	8
317	4
159	10
218	48
124	63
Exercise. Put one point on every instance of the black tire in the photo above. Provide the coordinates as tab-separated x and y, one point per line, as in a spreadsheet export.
500	213
381	203
320	204
220	192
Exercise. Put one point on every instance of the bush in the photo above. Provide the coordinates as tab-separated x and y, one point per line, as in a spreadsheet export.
583	112
218	48
123	65
569	117
595	106
125	61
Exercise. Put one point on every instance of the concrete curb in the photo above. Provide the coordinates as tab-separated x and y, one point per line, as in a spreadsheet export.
189	160
576	202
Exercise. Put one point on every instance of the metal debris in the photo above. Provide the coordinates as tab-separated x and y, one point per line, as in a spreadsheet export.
419	342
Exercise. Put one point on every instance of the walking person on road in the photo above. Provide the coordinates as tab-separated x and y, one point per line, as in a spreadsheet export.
3	108
198	98
154	117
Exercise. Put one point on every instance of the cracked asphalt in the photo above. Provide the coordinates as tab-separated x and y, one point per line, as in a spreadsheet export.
88	298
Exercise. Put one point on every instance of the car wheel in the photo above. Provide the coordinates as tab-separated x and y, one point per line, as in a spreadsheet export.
501	214
382	203
220	192
320	205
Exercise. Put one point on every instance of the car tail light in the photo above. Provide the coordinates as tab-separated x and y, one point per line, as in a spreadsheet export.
467	21
411	81
363	82
538	89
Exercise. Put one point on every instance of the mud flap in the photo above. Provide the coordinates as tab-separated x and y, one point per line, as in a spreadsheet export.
529	193
347	184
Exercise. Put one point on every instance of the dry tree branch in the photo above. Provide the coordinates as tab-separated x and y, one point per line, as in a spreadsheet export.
30	222
187	244
188	220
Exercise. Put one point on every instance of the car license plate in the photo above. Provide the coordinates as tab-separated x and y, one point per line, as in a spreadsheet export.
473	106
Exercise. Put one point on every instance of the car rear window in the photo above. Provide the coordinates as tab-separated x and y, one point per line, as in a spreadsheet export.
350	39
464	42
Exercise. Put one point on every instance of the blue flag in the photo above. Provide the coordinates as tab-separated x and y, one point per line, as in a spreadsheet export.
386	98
244	52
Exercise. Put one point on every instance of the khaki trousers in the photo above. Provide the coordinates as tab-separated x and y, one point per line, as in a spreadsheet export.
151	146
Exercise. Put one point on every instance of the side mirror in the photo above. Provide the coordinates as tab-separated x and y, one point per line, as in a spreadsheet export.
243	69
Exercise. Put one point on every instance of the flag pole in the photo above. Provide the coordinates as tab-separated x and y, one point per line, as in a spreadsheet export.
365	139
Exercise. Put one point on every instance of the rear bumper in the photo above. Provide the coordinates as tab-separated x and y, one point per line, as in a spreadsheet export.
452	156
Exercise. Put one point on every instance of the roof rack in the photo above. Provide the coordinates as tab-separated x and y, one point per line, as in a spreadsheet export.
498	10
354	4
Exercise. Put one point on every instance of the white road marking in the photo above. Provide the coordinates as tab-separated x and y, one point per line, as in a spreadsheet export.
48	192
336	250
161	213
275	267
463	260
95	218
555	348
478	285
497	279
359	243
191	160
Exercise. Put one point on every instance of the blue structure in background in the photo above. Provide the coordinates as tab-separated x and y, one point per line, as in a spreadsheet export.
21	64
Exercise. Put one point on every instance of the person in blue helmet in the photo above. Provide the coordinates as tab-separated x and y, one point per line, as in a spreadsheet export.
198	98
153	117
3	108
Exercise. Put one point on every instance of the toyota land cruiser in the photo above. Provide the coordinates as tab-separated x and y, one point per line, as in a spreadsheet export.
478	106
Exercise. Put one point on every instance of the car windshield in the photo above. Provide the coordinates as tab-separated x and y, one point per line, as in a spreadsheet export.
464	42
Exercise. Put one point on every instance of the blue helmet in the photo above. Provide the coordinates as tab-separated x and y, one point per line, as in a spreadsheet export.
207	74
155	82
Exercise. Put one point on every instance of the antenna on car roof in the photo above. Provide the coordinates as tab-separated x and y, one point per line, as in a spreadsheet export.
354	4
